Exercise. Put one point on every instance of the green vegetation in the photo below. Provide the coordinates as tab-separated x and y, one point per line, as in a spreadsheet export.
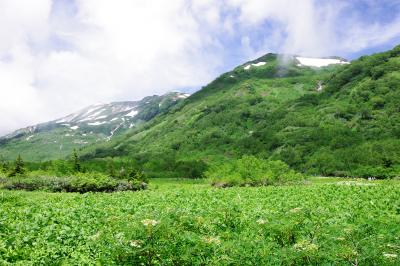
57	140
68	176
250	170
75	160
259	132
193	224
82	183
19	167
274	112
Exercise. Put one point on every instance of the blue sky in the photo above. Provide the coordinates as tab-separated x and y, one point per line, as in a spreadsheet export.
59	56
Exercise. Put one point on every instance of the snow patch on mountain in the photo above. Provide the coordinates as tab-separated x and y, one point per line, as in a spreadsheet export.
100	117
132	113
96	123
74	127
113	131
255	64
183	96
319	62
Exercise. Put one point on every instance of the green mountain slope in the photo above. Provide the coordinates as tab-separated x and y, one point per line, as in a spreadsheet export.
94	124
335	120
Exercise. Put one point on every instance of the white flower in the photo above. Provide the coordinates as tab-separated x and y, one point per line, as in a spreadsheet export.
135	243
261	221
119	235
95	236
212	240
391	256
296	209
149	222
305	245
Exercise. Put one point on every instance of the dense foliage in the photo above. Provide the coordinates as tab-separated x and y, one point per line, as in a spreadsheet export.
82	183
67	176
250	170
350	128
18	169
331	224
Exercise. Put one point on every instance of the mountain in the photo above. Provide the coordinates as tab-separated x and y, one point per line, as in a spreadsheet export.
93	124
324	116
325	119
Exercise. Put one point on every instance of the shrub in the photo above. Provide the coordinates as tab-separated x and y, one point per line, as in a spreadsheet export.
376	172
93	182
250	170
53	184
82	183
191	169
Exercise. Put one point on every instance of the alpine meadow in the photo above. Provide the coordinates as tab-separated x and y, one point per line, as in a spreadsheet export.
292	158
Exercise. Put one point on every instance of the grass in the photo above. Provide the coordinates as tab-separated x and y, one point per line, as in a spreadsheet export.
186	222
177	183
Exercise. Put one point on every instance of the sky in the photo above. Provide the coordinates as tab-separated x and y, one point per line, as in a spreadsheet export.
58	56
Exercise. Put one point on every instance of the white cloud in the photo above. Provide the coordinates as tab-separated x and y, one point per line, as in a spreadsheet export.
317	28
56	57
113	51
21	23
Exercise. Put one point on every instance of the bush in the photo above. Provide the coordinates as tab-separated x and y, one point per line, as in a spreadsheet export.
252	171
82	183
53	184
191	169
376	172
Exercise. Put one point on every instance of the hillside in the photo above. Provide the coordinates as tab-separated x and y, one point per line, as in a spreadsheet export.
94	124
334	120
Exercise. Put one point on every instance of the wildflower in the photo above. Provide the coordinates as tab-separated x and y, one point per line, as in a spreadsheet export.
296	210
135	243
348	230
305	245
390	256
119	235
149	222
95	236
261	221
200	220
212	240
340	238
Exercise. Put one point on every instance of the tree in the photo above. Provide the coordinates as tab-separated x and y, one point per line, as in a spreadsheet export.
76	163
19	168
5	167
111	169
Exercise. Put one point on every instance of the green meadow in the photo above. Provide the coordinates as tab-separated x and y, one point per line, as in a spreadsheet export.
324	221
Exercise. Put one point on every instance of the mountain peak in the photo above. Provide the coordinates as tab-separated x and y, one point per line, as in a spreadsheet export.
95	123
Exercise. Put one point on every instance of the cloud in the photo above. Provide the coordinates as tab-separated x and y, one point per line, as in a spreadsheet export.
21	23
101	51
318	28
59	56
